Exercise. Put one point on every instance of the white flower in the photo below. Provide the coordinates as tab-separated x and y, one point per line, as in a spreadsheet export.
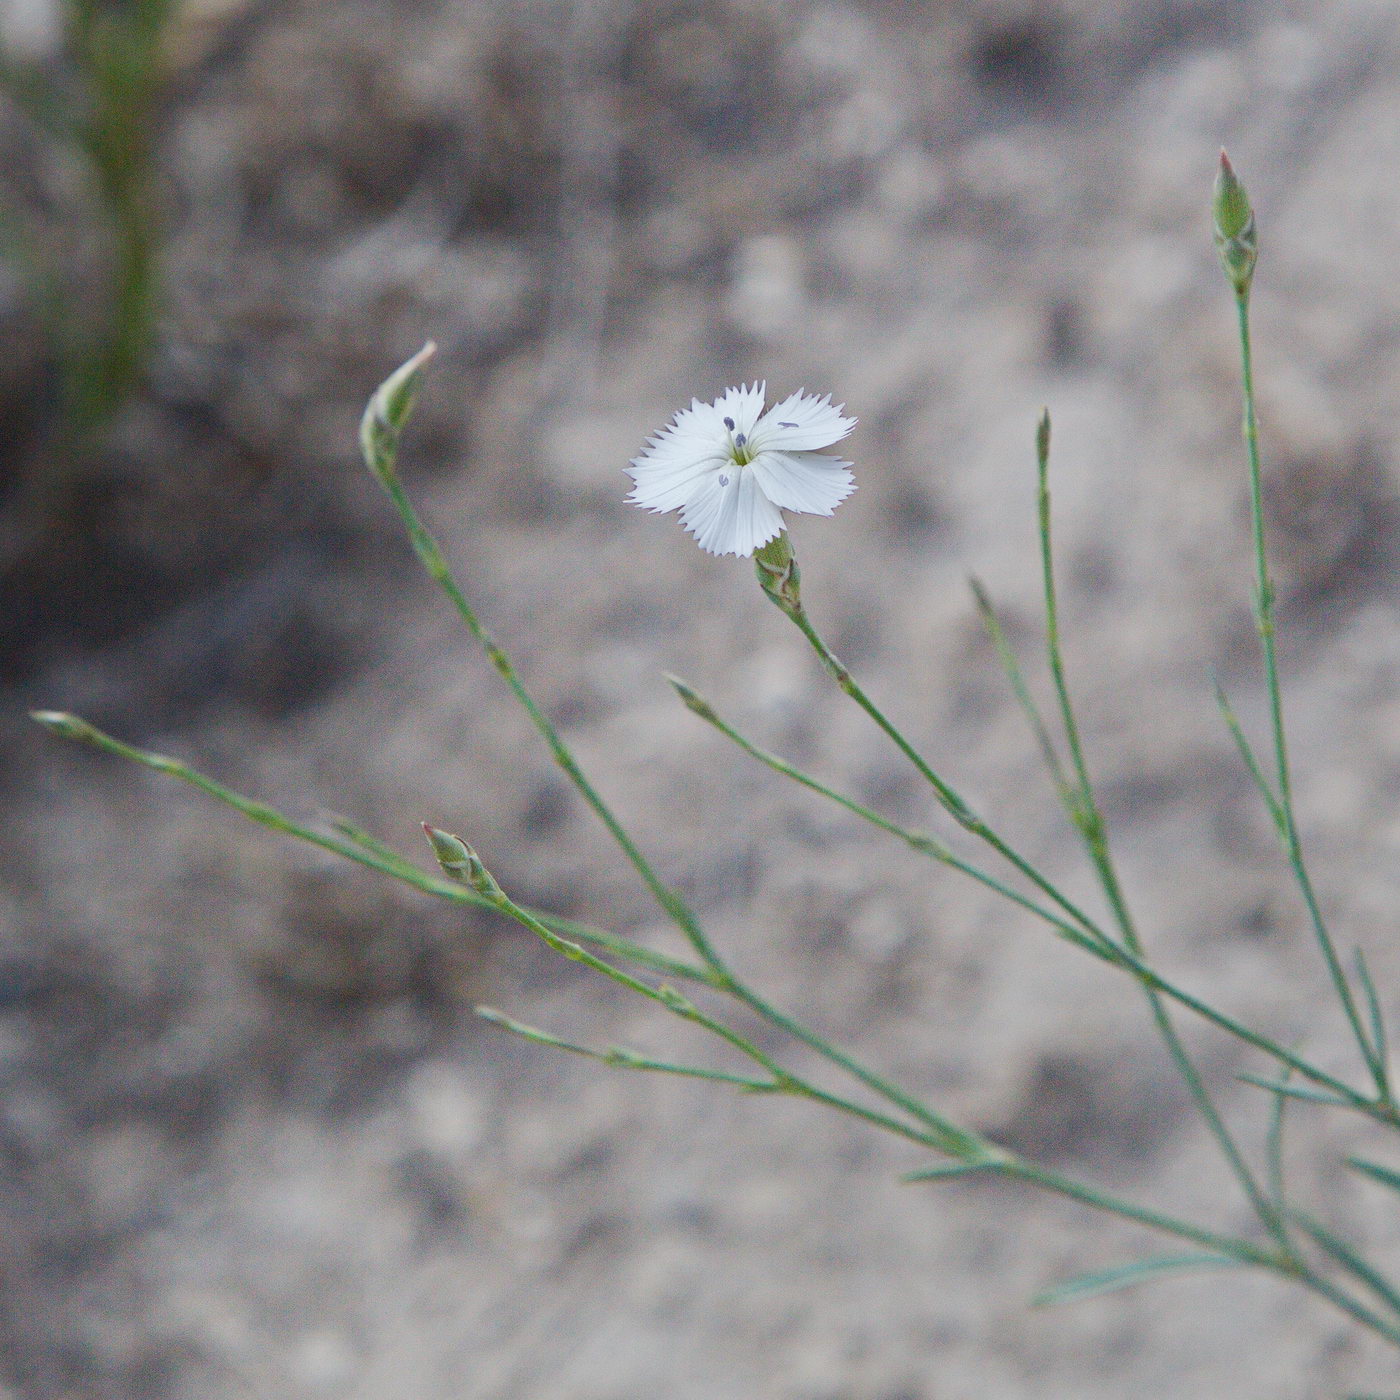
729	468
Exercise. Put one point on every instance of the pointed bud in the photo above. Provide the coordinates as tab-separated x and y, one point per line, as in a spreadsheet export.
387	412
1235	236
459	862
691	699
674	1001
777	572
66	726
1042	437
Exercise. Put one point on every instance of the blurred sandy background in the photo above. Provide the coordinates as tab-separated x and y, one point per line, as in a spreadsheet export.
252	1140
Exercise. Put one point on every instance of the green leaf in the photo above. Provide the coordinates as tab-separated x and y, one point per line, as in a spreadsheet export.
949	1172
1274	1145
1294	1091
1373	1007
1126	1275
1387	1176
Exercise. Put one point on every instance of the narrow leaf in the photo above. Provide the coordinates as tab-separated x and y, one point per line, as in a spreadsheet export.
1007	656
1387	1176
1373	1008
1274	1147
620	1057
949	1172
1294	1091
1126	1275
1349	1259
1248	757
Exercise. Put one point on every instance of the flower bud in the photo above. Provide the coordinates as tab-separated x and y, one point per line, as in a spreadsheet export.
1235	237
691	698
777	572
387	412
459	862
66	726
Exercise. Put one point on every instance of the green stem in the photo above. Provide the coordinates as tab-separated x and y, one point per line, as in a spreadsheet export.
788	600
955	1141
948	797
433	561
921	841
359	847
938	1133
1007	656
1088	820
1084	808
723	977
1112	953
1264	620
1074	1190
1324	1288
624	1059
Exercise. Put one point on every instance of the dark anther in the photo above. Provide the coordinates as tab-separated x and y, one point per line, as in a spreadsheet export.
729	423
787	425
740	439
723	480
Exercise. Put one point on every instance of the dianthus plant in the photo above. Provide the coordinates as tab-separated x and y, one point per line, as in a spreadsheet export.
730	468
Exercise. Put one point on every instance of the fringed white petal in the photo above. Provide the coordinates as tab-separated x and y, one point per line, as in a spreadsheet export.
731	515
803	481
744	405
667	481
801	423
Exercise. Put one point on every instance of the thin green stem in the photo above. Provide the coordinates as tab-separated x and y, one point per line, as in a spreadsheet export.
431	556
1278	1193
1343	1254
948	797
663	995
938	1132
1061	1185
1112	953
1083	806
1264	620
1036	722
359	847
876	1082
947	1137
1251	761
1325	1288
921	841
1088	819
380	438
622	1058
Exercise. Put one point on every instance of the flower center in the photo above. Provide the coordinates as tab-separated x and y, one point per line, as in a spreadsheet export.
740	453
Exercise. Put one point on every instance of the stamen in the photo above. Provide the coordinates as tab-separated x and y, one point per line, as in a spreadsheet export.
740	439
787	425
729	423
723	480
